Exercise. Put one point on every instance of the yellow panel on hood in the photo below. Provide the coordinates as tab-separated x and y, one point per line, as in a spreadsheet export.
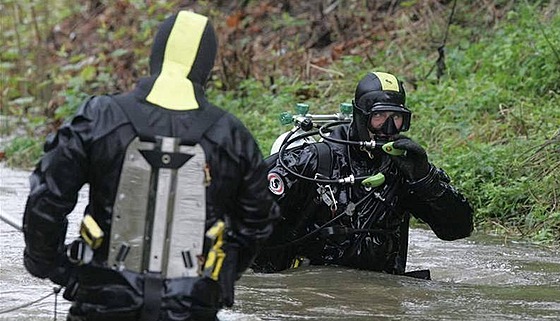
388	81
172	89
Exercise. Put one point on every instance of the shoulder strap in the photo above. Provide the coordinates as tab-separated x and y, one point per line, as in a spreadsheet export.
324	159
205	120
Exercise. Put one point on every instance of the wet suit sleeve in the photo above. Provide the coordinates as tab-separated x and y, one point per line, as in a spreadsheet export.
251	209
435	201
54	187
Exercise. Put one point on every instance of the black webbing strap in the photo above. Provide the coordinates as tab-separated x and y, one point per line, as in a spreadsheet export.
152	297
404	231
204	120
324	159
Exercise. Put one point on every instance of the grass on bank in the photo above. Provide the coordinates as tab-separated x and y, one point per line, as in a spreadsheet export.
493	120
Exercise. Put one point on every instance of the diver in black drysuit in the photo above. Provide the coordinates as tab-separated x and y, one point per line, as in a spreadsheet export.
350	224
91	148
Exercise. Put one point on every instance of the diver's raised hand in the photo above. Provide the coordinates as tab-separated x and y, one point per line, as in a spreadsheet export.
414	162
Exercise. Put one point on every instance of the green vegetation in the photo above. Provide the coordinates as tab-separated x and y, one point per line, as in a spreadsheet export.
491	118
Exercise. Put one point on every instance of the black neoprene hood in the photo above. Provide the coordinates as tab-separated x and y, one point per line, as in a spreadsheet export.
180	33
378	89
181	60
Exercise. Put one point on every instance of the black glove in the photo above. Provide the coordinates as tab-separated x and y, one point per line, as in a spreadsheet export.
37	267
58	271
62	272
414	163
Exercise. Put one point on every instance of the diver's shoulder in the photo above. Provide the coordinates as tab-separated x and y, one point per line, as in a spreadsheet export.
230	124
97	104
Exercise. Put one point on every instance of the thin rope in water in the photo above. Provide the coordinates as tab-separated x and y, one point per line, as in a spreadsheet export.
55	291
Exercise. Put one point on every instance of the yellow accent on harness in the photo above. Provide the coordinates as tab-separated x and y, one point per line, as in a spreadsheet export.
216	255
297	262
172	89
91	232
388	81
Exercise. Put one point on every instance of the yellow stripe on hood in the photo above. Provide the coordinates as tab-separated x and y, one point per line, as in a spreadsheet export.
172	89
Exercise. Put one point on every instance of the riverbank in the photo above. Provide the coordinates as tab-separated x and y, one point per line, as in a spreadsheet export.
481	79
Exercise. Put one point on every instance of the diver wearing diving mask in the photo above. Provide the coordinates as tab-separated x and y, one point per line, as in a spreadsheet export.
351	224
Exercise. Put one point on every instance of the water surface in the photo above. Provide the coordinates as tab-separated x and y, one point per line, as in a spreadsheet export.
478	278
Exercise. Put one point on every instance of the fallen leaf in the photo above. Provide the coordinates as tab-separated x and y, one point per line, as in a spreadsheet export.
234	19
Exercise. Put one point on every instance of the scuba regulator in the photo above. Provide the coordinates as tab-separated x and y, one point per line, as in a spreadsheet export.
306	126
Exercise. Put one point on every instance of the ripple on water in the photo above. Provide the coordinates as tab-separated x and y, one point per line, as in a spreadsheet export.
478	278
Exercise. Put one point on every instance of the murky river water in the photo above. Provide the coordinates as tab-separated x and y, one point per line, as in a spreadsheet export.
479	278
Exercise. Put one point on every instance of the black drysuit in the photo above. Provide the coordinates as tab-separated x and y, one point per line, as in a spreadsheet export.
350	224
90	149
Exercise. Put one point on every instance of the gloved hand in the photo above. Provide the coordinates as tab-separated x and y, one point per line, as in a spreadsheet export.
414	163
37	267
62	271
58	271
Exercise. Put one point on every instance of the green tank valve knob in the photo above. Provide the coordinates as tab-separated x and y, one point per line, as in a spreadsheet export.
302	109
346	108
389	149
374	181
285	118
